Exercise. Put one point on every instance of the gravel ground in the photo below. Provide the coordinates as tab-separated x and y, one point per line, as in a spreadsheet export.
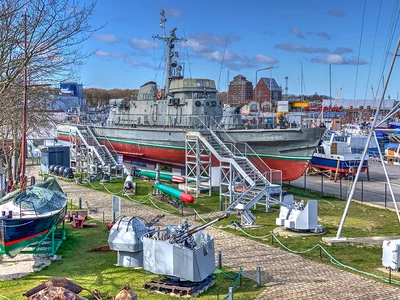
23	264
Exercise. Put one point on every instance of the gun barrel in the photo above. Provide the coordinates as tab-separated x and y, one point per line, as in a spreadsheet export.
155	220
192	231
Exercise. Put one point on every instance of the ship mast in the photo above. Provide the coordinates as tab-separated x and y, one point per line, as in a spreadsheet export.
170	64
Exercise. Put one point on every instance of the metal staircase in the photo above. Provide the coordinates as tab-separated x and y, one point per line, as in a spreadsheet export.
241	180
95	154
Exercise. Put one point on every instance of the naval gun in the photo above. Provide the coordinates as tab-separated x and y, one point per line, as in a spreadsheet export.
125	237
181	251
185	234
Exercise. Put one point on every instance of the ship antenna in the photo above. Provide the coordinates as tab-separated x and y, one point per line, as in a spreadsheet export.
162	22
169	40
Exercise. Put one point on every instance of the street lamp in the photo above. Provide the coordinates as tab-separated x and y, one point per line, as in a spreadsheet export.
267	68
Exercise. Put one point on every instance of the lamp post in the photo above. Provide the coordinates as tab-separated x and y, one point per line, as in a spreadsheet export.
267	68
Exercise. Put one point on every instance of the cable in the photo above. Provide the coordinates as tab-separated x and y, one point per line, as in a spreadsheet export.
187	53
359	49
388	43
222	62
372	56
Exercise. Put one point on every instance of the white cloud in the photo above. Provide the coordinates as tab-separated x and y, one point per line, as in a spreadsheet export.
300	48
136	63
336	13
197	46
342	50
143	44
212	39
296	32
106	38
262	59
322	35
211	46
108	54
336	59
172	12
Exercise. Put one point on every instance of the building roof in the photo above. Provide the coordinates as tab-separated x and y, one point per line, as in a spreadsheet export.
373	104
274	84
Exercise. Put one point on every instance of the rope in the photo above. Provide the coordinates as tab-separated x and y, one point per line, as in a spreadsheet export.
359	49
237	277
159	208
136	201
204	221
332	260
126	195
4	297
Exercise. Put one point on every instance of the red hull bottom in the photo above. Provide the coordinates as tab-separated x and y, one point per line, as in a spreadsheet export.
291	169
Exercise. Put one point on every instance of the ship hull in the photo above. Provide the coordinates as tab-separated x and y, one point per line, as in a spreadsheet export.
340	166
288	150
17	233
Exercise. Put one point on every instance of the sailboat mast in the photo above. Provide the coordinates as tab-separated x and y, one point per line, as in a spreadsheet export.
24	107
330	81
301	84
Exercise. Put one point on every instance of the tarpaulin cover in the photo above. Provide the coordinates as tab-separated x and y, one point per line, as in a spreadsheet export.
43	197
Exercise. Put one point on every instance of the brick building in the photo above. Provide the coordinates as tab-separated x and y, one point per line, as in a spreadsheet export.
240	90
267	89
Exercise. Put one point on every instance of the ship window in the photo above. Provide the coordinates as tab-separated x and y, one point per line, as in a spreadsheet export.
203	83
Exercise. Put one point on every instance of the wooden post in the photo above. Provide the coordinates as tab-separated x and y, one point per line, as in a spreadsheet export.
368	173
337	170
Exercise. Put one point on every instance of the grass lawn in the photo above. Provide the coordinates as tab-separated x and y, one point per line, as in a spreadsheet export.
96	270
362	221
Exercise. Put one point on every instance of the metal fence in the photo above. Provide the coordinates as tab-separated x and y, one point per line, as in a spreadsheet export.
375	192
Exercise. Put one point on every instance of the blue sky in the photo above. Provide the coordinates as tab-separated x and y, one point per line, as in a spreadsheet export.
249	35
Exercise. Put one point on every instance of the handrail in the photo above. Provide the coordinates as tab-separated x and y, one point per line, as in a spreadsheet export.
27	201
254	176
89	146
105	147
255	155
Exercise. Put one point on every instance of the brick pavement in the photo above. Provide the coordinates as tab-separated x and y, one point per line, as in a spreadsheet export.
286	275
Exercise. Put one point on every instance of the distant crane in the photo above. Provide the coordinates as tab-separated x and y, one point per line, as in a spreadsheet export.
340	93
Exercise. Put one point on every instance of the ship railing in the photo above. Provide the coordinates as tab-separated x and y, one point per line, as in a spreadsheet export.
89	146
104	148
245	150
255	174
272	175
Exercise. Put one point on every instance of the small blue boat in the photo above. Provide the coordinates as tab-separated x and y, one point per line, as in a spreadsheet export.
335	155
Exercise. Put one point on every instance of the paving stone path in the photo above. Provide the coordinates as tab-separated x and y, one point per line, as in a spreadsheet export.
286	275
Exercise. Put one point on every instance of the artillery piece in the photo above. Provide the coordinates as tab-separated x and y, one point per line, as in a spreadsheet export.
182	252
125	237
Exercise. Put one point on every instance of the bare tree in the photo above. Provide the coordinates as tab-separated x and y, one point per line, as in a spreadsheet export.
46	38
55	31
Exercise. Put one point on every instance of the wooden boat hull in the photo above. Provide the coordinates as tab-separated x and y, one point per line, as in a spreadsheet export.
16	233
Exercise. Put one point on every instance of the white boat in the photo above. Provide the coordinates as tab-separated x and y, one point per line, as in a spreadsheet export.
335	155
